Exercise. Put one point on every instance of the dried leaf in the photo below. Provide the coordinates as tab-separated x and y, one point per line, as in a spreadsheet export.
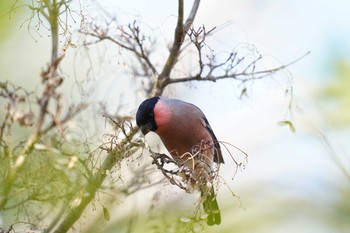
288	123
244	93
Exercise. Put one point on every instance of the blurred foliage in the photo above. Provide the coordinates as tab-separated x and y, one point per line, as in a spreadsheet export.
336	96
6	21
340	210
269	210
41	169
335	102
52	173
48	179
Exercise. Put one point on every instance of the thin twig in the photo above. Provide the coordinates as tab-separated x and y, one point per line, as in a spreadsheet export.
247	76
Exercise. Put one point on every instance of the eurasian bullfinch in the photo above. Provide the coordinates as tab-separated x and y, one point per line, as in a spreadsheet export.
187	135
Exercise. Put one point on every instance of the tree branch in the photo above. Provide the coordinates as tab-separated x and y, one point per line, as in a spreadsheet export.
242	76
212	70
131	40
191	16
180	33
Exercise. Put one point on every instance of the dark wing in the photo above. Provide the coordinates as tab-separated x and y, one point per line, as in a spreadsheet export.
218	154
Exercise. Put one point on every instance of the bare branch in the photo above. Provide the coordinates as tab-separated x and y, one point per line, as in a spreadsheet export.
175	48
191	16
179	36
242	68
130	39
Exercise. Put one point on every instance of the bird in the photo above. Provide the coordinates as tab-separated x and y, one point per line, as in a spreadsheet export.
187	135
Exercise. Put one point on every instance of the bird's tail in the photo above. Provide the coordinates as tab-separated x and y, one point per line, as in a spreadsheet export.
211	207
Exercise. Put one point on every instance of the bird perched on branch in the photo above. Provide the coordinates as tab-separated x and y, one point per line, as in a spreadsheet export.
190	140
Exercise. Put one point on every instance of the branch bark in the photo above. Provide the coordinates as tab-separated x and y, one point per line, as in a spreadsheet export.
180	33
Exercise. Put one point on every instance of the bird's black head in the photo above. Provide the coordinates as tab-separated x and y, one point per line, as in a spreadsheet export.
145	115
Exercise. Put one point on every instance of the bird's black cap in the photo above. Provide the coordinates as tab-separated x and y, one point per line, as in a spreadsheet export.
145	115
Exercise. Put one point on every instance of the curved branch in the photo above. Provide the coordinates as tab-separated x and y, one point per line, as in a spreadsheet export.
180	33
174	52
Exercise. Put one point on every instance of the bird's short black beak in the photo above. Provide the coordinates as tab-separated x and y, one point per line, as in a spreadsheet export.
145	129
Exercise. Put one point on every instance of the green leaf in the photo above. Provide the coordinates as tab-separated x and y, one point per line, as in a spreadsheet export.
106	214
